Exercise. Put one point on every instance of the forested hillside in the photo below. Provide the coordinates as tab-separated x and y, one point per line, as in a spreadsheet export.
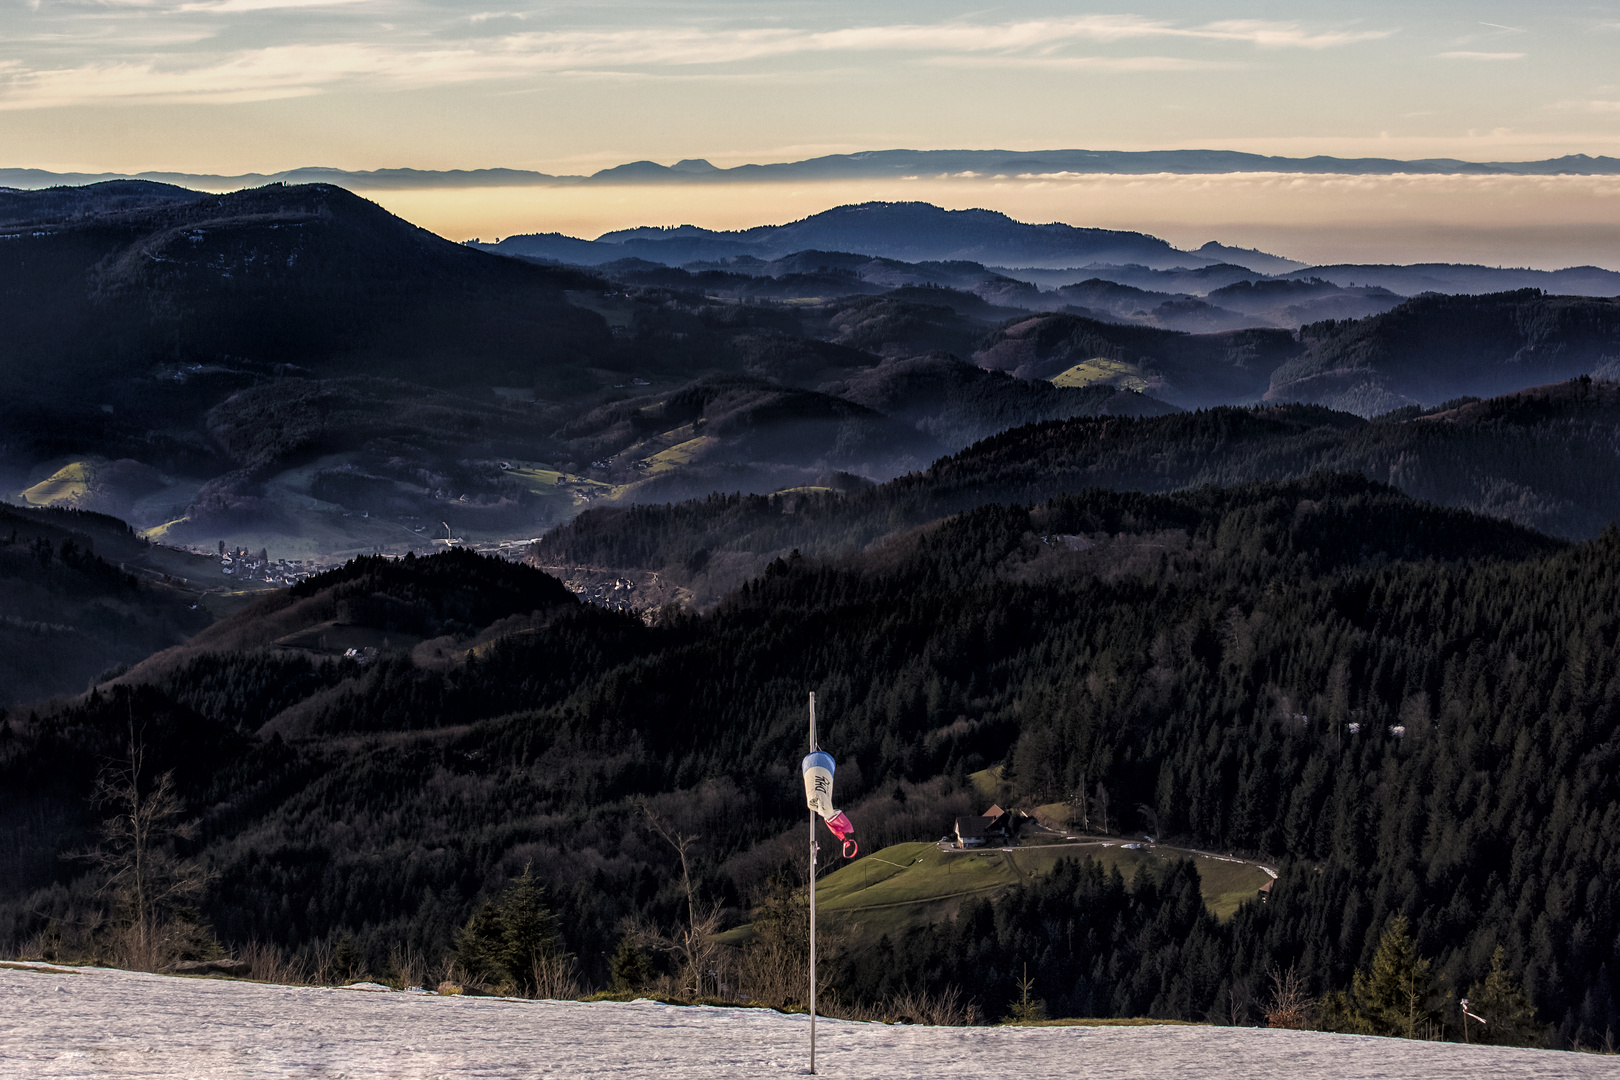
70	610
1434	347
1543	458
1408	709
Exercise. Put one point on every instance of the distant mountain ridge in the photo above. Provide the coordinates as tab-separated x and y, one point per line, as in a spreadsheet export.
1051	256
871	164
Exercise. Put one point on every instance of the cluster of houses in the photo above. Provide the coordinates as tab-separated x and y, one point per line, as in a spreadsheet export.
243	565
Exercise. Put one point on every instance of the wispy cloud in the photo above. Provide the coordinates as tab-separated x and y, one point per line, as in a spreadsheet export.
1278	35
1091	63
259	75
235	7
395	56
1031	39
1465	54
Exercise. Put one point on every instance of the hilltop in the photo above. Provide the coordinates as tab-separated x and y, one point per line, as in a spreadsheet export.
1443	345
910	231
145	297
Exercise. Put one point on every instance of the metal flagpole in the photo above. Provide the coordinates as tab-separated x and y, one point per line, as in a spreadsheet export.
813	851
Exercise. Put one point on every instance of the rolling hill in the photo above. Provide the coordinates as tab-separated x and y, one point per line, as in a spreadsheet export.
958	403
1188	370
912	232
56	206
1542	458
82	598
146	301
1434	347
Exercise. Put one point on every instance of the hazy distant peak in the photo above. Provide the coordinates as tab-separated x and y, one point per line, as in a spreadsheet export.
660	232
1249	258
911	232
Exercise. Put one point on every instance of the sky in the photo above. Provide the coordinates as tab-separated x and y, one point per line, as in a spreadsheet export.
229	86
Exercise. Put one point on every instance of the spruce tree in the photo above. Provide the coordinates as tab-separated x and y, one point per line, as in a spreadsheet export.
1026	1009
480	945
1510	1018
512	940
529	931
1395	995
631	966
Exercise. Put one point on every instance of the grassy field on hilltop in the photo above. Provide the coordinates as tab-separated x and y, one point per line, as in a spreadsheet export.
1101	371
908	884
680	454
65	485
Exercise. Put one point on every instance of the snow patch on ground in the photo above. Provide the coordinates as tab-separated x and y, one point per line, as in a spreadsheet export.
97	1023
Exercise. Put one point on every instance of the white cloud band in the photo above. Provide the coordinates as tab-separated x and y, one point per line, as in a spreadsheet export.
392	58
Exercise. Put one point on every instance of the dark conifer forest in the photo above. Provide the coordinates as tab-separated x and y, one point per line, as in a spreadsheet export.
1409	710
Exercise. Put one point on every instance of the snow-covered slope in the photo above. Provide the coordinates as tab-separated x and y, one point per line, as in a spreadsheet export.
97	1023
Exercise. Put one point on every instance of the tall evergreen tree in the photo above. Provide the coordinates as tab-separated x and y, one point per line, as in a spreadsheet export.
1510	1019
513	939
1396	995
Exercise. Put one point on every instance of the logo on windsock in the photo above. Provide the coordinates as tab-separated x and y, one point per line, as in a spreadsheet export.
818	794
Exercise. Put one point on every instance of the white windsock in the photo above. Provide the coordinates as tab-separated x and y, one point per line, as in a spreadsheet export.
818	795
818	783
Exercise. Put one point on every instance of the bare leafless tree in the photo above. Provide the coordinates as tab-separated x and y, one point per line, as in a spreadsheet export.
693	945
1238	1000
1290	1006
1099	808
949	1008
1150	818
554	976
268	962
407	966
145	875
1080	807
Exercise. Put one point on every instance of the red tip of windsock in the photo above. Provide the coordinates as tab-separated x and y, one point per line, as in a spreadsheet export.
844	829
